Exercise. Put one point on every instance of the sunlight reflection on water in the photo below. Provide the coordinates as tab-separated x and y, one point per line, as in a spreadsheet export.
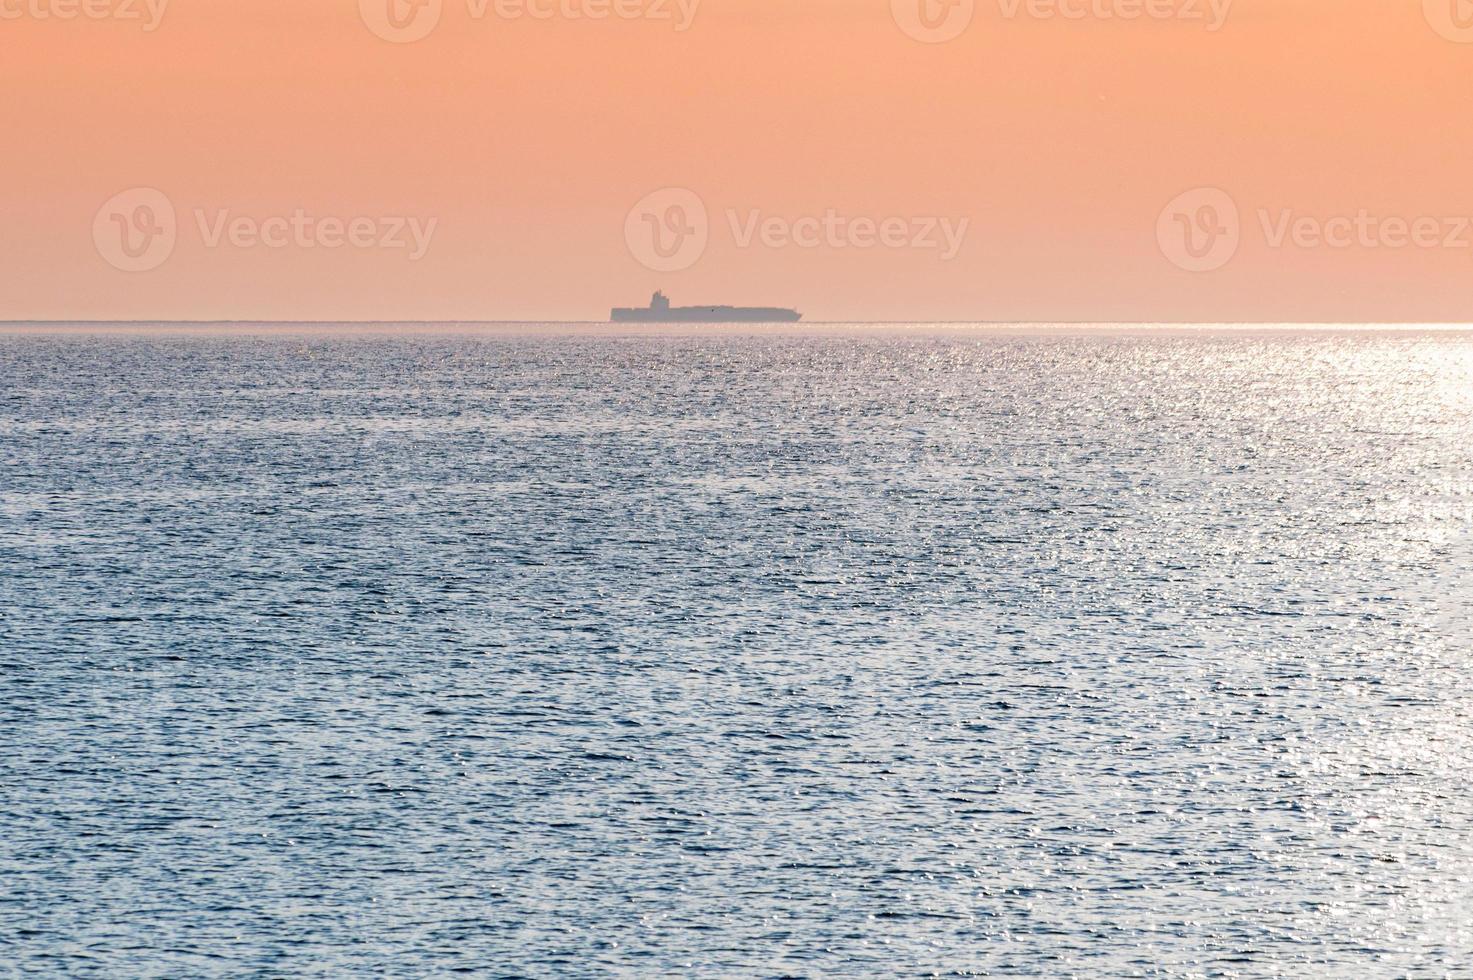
847	654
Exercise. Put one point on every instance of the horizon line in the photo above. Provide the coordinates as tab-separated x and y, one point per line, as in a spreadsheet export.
800	324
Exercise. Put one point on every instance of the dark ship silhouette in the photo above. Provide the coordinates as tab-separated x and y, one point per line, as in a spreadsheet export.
660	311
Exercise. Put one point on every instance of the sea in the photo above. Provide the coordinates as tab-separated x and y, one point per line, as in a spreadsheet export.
559	650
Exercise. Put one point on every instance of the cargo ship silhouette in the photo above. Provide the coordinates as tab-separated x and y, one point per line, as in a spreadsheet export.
660	311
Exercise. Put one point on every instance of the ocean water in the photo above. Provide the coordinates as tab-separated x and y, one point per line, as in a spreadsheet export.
555	652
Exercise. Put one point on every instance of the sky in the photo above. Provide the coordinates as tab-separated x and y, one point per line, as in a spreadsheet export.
1038	160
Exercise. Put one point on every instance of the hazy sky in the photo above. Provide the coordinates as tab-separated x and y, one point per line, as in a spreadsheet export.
850	160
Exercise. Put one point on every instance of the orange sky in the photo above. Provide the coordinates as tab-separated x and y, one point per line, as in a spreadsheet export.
527	141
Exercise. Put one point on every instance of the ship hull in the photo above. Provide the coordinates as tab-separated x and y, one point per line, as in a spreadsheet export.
707	314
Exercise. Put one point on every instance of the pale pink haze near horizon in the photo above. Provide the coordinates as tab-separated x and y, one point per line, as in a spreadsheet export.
527	141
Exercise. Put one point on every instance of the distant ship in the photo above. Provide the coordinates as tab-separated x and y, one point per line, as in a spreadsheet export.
660	311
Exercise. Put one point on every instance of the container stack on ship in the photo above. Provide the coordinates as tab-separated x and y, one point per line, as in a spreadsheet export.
660	311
